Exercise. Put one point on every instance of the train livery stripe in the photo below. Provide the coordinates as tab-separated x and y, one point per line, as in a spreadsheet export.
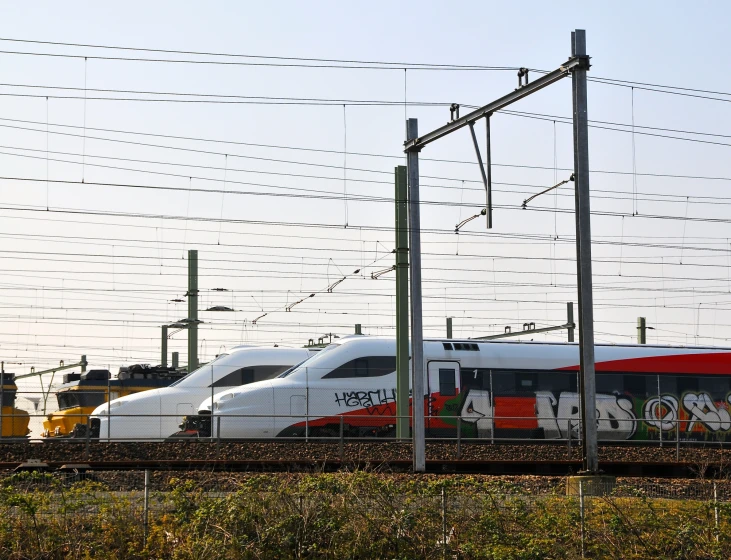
717	363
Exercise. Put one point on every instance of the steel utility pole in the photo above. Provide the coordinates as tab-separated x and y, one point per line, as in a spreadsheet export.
576	66
583	252
402	305
417	332
192	309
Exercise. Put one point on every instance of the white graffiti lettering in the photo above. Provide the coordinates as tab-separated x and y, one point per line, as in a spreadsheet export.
661	412
615	417
702	409
558	417
477	409
545	403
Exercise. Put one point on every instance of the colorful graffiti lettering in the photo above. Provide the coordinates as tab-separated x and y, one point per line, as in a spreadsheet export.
557	417
695	412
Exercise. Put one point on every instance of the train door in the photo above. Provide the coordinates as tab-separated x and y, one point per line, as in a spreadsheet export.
442	406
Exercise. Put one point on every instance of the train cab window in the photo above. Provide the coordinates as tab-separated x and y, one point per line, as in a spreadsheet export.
371	366
447	382
8	398
246	375
73	399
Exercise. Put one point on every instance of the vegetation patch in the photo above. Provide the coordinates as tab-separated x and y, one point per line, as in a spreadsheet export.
349	515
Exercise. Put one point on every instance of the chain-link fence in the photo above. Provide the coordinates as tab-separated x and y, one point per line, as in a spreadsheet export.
356	515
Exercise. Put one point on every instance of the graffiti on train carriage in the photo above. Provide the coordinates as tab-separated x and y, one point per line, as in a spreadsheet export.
546	415
696	413
365	399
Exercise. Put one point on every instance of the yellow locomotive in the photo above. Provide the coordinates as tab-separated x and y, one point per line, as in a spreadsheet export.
81	393
13	421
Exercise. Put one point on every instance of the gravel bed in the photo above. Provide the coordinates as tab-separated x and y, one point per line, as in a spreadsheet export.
373	453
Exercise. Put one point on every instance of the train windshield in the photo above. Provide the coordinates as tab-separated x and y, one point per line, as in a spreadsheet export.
73	399
313	361
204	375
286	372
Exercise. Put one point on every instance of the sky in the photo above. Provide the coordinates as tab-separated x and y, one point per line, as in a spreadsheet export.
106	164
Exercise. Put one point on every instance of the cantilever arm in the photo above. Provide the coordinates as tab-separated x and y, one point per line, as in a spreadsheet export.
527	200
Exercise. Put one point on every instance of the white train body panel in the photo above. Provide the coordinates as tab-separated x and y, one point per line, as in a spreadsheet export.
493	386
155	415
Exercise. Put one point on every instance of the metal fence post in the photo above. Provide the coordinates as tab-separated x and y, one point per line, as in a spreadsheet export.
677	441
218	431
146	514
715	509
88	437
568	439
444	523
459	437
342	430
581	512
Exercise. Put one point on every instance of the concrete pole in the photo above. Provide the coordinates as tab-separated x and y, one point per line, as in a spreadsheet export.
176	357
402	304
164	347
583	254
417	335
192	309
449	327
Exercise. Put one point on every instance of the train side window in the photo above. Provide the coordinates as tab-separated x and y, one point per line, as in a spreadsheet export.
372	366
687	384
607	383
668	385
526	382
503	383
555	382
639	386
717	387
447	382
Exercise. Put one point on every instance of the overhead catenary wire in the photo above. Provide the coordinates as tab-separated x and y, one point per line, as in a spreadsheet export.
363	154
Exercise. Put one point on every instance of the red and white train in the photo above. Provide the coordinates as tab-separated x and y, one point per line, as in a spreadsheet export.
490	389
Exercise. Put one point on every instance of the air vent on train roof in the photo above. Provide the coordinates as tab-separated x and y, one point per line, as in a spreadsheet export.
461	346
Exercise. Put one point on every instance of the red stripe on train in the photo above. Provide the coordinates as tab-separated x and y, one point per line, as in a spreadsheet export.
717	363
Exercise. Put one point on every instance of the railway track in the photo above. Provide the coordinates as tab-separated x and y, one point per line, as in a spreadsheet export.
385	456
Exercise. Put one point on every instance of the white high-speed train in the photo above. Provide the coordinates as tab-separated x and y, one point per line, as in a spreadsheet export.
491	389
157	414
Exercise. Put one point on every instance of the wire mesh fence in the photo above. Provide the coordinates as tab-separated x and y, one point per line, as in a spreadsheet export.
357	515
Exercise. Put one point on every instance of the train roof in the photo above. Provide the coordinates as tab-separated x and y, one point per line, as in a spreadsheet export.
532	342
